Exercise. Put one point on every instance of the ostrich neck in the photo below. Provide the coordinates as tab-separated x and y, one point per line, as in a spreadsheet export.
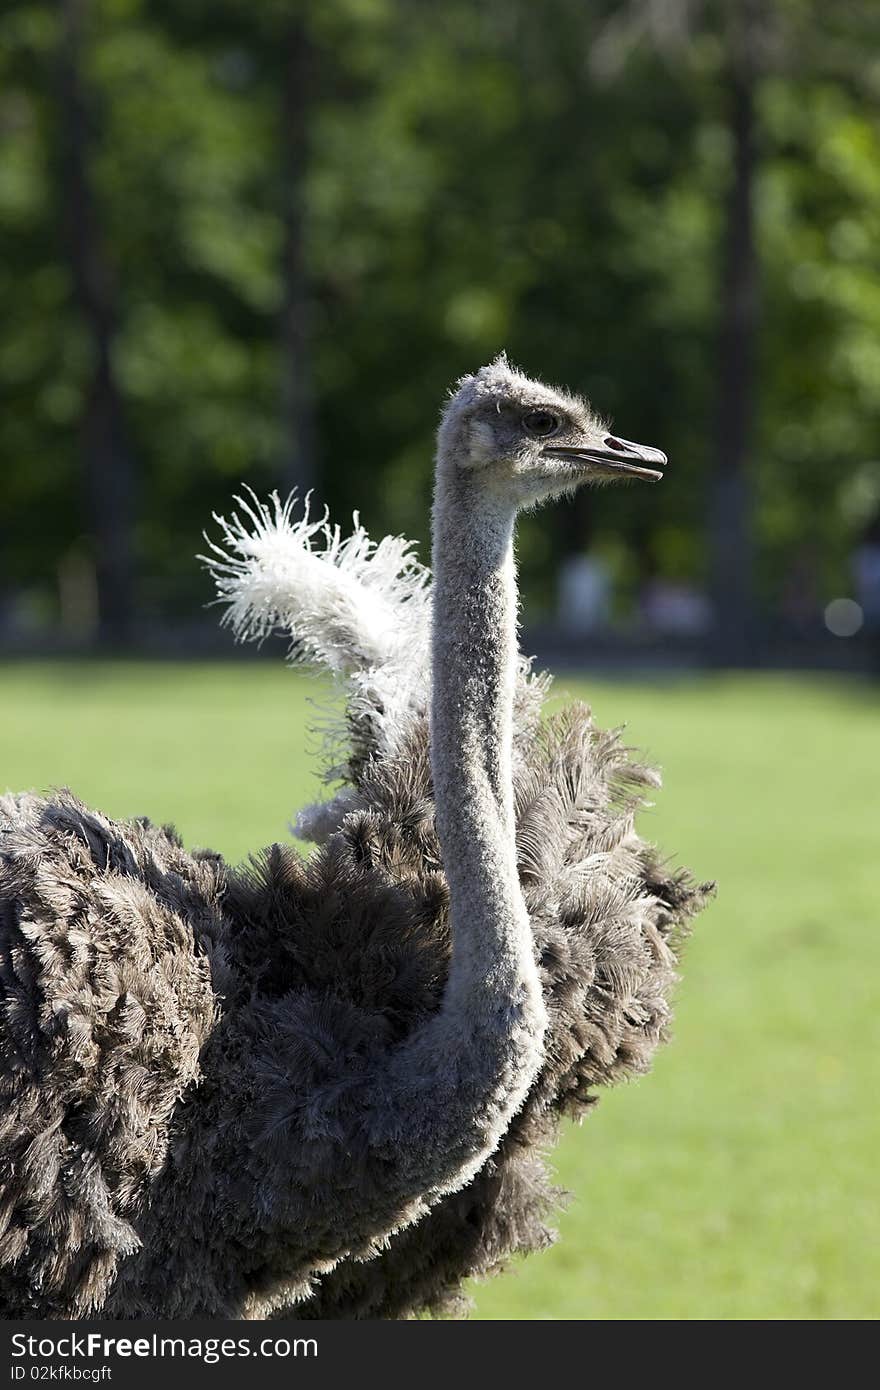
473	673
455	1085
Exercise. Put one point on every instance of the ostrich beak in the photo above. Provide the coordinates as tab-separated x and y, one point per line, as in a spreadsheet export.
620	456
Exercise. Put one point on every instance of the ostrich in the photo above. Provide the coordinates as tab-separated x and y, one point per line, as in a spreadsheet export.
320	1087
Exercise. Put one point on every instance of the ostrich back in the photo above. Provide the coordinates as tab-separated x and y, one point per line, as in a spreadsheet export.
127	966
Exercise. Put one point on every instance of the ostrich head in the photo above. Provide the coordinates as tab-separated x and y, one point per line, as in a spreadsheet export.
527	442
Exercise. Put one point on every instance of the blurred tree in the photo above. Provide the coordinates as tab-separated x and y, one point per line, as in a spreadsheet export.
735	47
108	468
671	27
731	537
299	468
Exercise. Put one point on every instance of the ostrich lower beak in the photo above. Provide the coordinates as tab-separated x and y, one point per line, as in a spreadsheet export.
618	457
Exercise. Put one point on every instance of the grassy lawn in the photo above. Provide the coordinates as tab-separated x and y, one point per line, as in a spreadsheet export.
739	1181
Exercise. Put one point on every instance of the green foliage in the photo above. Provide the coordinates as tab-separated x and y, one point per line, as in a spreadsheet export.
474	183
821	229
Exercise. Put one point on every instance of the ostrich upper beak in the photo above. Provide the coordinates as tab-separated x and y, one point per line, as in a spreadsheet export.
619	456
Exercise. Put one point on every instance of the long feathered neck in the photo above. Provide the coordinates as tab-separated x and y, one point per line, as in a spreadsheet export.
473	670
451	1091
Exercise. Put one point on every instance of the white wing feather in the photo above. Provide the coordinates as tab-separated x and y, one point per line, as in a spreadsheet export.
358	608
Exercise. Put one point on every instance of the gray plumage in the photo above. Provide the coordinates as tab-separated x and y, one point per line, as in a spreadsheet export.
322	1087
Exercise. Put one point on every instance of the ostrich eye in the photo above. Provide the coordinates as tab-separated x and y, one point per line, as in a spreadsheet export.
542	423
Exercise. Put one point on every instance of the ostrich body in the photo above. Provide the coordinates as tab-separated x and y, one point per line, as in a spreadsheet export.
319	1087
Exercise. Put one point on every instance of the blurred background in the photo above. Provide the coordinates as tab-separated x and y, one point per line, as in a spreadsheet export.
256	243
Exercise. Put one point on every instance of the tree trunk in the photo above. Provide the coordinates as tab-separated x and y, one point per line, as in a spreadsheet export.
730	535
108	469
298	461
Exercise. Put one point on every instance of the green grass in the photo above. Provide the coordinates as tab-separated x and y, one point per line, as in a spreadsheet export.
739	1180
